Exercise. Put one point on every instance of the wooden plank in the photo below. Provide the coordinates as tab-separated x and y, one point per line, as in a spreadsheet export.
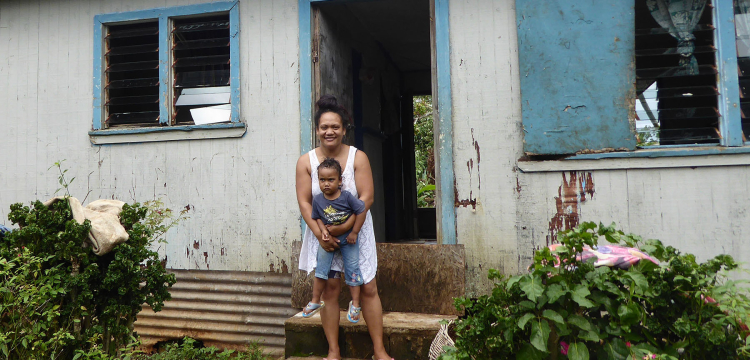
560	116
446	229
635	163
730	125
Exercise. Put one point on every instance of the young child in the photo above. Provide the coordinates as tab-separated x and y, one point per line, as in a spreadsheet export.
333	207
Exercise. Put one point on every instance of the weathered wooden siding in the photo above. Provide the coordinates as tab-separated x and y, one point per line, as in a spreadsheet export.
503	214
243	214
242	206
486	135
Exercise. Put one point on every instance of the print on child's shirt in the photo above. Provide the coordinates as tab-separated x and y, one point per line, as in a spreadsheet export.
334	216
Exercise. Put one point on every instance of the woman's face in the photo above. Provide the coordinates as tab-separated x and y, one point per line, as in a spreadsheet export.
330	130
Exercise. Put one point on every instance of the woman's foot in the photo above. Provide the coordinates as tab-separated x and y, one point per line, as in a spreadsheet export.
332	355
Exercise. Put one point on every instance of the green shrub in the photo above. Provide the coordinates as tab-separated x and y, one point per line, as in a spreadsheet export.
577	311
189	349
59	297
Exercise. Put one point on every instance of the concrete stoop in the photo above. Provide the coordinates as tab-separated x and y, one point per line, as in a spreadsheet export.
407	336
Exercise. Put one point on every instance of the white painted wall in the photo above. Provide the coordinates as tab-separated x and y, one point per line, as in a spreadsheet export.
701	210
243	208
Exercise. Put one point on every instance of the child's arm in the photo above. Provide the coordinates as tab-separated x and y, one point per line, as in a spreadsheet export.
323	230
341	229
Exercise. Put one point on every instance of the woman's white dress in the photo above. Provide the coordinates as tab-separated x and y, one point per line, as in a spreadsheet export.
368	259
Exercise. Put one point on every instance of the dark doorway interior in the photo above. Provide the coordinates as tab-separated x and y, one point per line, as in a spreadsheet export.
375	56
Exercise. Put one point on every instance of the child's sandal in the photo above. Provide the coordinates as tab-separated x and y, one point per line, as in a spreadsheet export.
313	309
352	312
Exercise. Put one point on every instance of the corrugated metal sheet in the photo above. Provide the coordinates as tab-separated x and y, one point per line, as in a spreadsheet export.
226	309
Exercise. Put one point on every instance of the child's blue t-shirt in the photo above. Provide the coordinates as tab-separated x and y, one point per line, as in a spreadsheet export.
336	212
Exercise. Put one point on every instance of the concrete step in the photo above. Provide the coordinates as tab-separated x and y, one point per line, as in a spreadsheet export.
406	336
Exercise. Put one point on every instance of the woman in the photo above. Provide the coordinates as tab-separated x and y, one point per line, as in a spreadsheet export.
331	121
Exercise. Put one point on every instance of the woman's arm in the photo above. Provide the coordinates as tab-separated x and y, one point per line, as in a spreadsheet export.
352	237
365	186
304	199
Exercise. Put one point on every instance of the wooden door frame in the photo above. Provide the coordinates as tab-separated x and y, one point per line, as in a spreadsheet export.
445	204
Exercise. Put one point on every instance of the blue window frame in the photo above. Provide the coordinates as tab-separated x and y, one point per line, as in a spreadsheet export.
157	79
579	76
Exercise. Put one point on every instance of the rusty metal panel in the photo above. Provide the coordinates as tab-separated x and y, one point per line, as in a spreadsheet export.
577	72
226	309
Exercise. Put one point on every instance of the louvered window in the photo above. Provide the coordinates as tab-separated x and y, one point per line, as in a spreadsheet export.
132	75
167	68
675	61
679	70
201	70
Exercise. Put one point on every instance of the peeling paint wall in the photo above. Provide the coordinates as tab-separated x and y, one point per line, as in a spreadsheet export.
243	211
504	214
243	215
486	135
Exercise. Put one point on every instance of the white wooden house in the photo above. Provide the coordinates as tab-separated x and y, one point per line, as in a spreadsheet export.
208	105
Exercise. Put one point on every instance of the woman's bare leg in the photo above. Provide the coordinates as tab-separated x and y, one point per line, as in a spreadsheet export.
329	316
372	310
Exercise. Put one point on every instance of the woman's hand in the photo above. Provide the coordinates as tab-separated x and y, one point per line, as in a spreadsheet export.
329	245
337	230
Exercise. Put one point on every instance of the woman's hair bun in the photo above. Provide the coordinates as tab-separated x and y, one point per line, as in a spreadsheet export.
327	102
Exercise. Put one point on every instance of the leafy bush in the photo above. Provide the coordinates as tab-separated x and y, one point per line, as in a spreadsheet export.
424	151
189	349
59	297
577	311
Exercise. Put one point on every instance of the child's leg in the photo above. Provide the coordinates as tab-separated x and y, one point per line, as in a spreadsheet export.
318	286
353	277
354	290
322	269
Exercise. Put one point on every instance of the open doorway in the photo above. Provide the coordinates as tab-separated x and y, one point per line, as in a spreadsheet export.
375	57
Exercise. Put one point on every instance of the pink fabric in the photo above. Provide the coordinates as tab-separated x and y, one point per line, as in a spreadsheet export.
610	255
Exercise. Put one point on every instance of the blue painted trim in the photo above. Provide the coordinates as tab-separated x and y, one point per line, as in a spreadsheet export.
220	6
128	16
98	73
165	68
726	61
234	61
166	129
305	76
696	151
305	83
445	120
674	146
166	11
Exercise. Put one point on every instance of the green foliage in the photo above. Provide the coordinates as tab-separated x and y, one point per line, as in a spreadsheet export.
424	153
30	306
189	349
648	136
662	312
60	300
64	184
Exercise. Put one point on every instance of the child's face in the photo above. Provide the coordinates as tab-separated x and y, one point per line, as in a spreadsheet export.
329	179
